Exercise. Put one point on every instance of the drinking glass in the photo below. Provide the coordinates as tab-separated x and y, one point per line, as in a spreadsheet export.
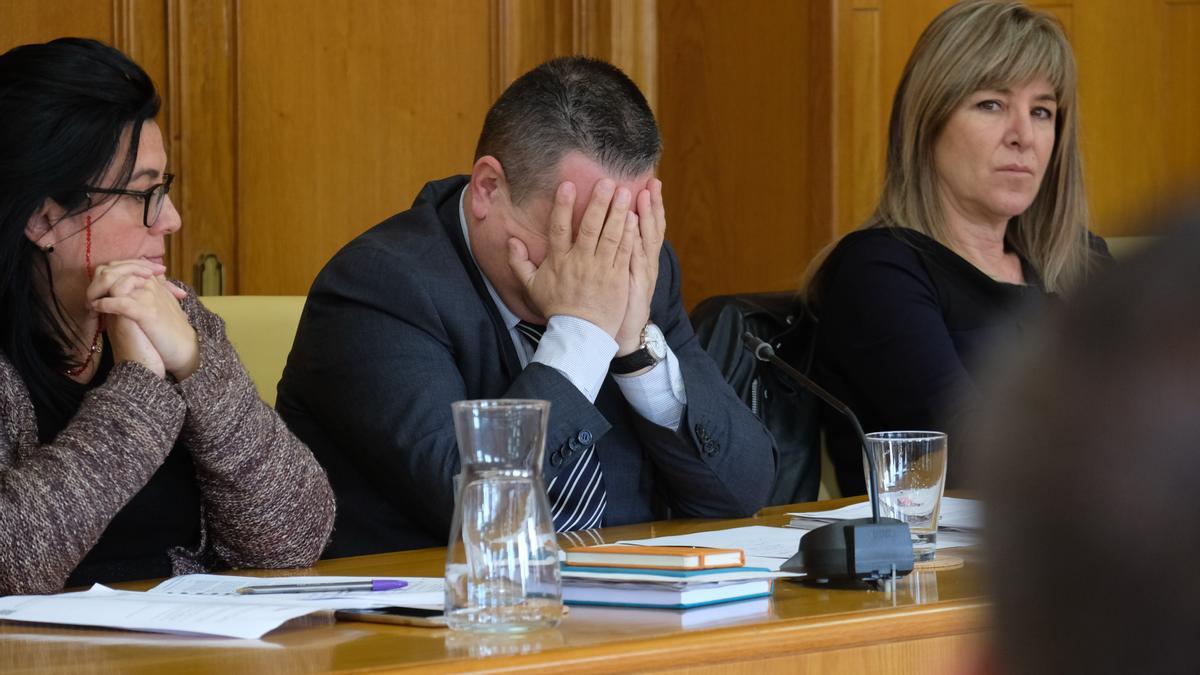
911	468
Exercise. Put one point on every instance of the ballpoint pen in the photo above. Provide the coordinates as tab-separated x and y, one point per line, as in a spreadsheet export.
333	587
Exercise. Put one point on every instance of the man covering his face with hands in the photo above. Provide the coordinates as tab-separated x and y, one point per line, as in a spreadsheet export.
543	275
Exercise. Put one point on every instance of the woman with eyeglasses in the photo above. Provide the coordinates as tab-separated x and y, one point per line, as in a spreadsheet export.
132	442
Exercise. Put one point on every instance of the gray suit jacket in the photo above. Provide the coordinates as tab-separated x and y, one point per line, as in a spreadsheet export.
399	324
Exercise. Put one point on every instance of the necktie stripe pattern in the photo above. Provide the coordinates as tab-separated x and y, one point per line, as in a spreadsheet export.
577	497
531	331
579	504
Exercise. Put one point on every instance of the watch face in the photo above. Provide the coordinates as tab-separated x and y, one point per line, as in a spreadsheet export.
655	343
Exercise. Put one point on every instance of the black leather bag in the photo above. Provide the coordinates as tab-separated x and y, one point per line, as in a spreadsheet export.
788	412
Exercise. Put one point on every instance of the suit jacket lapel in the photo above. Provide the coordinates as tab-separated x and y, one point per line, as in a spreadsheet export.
448	214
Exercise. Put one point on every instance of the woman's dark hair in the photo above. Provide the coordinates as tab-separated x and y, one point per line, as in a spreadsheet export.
63	108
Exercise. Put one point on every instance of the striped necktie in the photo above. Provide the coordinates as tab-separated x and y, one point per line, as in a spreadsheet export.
577	495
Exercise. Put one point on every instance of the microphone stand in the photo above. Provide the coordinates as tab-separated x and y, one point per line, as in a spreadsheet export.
862	549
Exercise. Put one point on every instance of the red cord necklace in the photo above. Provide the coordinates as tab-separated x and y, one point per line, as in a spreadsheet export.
95	346
78	370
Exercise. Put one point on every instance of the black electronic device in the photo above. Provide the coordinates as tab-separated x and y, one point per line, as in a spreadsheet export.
406	616
864	549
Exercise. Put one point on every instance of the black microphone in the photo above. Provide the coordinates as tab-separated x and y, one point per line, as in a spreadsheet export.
863	549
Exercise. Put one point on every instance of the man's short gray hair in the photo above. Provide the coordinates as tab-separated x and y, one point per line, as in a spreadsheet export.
571	103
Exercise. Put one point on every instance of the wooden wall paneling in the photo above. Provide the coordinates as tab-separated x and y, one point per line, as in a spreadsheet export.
27	21
1181	96
140	30
625	33
203	57
824	127
860	110
690	153
869	115
735	109
1121	89
1139	75
526	33
344	111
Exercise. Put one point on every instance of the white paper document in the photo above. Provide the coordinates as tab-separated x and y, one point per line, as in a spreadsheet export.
767	546
209	604
421	592
965	515
764	546
198	615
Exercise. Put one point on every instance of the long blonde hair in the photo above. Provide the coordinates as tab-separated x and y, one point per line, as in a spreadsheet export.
984	44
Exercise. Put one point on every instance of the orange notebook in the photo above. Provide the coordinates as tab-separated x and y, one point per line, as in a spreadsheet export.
655	557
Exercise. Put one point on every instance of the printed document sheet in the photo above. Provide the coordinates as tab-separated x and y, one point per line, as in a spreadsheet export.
765	546
208	604
956	514
107	608
421	592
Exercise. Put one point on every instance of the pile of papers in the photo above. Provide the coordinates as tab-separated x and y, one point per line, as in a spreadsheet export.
769	547
706	616
959	521
207	604
765	547
956	515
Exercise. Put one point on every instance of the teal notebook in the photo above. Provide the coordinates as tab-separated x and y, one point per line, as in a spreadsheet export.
674	589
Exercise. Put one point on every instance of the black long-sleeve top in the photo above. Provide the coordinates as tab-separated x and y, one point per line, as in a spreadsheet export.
905	326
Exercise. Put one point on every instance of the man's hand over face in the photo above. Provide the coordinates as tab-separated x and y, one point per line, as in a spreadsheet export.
643	266
590	277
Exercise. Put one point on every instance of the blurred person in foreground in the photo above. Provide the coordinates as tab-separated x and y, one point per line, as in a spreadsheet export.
982	220
1088	459
132	443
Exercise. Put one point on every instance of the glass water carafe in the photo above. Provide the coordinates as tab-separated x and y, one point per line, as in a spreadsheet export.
502	556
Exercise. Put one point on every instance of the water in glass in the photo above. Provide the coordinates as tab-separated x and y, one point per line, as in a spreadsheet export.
502	557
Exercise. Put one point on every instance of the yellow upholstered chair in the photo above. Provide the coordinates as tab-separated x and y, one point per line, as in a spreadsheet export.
1122	247
261	328
829	486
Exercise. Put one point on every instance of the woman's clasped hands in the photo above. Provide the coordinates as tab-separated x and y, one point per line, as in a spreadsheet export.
143	318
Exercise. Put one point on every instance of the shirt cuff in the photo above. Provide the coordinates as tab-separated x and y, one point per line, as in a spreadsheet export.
580	350
657	394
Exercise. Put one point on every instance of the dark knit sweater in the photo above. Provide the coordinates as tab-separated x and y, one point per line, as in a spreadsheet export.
264	501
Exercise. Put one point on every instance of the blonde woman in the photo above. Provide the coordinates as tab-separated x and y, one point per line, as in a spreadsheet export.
983	213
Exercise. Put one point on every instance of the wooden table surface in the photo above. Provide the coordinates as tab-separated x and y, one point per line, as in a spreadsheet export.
929	622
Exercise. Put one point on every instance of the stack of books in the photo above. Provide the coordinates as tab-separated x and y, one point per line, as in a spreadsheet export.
675	577
708	616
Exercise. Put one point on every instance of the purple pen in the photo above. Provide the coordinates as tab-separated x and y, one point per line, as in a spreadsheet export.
333	587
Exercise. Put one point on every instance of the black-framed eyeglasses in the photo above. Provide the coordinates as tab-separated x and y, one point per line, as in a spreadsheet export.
152	199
